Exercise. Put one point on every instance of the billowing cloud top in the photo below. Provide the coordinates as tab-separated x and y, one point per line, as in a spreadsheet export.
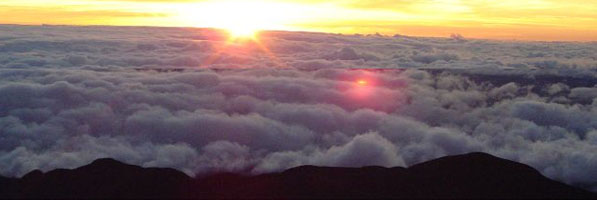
189	99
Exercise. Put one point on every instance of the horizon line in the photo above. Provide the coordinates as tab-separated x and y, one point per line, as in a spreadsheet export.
309	31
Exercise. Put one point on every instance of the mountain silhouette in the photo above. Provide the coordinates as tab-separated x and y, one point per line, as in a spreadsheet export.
104	178
473	175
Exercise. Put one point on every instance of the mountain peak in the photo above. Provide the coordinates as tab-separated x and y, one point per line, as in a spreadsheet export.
477	160
107	161
108	164
35	174
479	155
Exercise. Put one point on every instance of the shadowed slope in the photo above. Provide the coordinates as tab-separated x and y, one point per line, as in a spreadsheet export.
474	175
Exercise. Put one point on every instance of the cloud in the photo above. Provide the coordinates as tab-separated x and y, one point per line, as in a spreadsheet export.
430	58
363	150
185	99
348	53
584	94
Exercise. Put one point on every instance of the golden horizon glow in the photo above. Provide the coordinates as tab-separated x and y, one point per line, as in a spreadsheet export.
506	19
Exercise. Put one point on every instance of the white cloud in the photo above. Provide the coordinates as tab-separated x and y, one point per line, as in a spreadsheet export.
176	98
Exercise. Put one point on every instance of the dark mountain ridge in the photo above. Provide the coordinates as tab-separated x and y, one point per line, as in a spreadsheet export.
474	175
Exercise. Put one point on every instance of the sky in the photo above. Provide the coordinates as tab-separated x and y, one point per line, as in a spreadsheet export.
551	20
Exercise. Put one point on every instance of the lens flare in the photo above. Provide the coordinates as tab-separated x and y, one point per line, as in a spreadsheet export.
362	82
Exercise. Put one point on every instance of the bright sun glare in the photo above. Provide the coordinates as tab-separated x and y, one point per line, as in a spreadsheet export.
242	31
241	19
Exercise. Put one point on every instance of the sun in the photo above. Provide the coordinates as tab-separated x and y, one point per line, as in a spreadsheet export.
243	32
241	19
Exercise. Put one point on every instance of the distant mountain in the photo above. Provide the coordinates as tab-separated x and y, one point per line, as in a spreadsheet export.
474	175
104	178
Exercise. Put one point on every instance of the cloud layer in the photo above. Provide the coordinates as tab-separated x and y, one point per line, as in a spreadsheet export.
187	99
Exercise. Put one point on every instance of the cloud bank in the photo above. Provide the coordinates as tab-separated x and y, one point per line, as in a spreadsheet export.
187	99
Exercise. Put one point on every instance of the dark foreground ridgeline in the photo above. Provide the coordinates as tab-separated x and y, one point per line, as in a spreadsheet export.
474	175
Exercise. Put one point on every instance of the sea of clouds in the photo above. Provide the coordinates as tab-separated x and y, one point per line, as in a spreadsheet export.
191	100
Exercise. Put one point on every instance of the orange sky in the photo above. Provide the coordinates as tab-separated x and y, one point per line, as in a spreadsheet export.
493	19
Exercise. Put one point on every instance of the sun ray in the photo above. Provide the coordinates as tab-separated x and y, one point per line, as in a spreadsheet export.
271	55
